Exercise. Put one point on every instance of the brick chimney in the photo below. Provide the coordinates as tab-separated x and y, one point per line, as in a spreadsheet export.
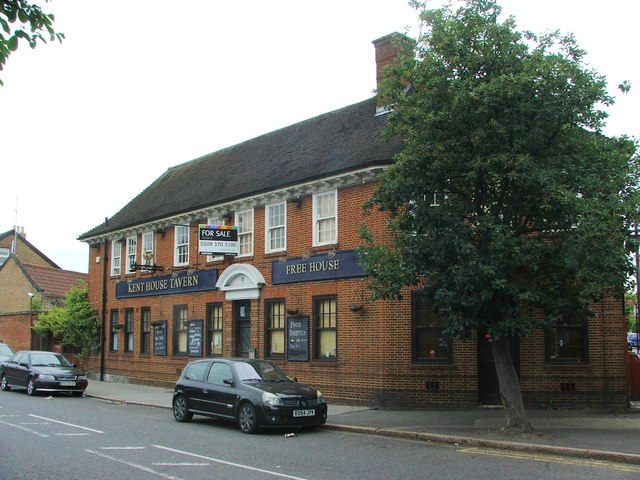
386	52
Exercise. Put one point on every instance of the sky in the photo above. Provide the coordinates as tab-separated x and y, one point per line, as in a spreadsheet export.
139	86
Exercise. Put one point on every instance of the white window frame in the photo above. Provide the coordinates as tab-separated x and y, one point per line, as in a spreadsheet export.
4	254
245	232
132	252
215	221
116	258
321	217
181	247
271	228
147	246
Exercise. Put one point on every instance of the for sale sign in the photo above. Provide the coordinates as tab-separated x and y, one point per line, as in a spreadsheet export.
217	240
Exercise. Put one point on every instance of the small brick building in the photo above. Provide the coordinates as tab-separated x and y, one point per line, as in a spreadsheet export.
30	283
289	206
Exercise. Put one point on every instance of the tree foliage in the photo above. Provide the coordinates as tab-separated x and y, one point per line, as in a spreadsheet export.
20	19
507	199
76	321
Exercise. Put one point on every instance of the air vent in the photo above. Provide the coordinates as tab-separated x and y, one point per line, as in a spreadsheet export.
432	385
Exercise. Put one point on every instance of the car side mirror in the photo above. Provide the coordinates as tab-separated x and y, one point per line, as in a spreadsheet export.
228	381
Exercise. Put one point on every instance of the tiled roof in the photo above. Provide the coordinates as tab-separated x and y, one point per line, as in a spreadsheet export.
338	142
53	282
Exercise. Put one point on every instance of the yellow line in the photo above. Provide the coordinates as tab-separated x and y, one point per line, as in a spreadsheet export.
553	458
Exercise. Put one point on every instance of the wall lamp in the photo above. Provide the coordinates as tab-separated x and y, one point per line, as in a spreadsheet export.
295	200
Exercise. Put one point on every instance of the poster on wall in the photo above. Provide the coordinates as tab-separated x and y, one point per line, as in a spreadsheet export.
160	337
298	339
194	335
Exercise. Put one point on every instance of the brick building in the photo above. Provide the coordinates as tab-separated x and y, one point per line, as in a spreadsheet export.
288	204
30	283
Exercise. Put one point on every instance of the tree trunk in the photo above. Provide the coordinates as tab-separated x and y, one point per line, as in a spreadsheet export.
510	392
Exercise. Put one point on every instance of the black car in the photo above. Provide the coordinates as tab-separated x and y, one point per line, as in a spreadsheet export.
41	371
5	352
254	393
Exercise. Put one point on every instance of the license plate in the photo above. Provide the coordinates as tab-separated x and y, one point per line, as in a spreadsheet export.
310	412
67	384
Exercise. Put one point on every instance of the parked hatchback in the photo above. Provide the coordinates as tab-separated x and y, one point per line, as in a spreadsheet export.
36	371
254	393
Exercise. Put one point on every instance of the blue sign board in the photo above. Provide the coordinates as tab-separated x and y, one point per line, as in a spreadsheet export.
324	266
184	282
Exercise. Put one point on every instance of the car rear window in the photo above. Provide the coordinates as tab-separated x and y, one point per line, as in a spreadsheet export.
196	371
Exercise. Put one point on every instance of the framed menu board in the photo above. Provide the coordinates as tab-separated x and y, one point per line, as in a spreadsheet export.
160	337
194	336
298	338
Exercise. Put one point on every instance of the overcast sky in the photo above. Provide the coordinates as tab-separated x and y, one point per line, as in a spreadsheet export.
139	86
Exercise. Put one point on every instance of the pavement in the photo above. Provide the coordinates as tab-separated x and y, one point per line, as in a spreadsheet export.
599	434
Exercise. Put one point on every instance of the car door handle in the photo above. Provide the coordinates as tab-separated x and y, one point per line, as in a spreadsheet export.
204	390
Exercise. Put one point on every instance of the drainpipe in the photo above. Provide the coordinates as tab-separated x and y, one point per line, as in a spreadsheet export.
104	308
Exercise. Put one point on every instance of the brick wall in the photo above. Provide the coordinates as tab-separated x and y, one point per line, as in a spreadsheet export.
374	364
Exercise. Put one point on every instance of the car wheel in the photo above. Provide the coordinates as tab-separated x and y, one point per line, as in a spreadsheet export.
247	420
4	386
31	386
181	409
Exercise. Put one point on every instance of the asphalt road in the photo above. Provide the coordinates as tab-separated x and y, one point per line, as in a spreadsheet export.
57	437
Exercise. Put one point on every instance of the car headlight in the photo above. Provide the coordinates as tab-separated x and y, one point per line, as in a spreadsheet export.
82	377
46	378
271	399
320	396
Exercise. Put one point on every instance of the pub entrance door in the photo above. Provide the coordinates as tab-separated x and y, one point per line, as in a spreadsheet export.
242	324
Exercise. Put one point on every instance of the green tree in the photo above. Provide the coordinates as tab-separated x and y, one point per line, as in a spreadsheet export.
507	199
76	321
20	19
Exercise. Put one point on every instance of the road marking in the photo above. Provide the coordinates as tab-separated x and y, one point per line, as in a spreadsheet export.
134	465
553	458
24	428
65	423
231	464
181	464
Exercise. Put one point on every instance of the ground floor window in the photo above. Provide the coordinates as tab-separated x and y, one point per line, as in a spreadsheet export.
275	318
145	330
430	342
128	330
180	329
214	329
325	315
113	331
566	340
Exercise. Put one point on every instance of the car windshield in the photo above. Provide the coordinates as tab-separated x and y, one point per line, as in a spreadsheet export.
259	371
48	360
5	350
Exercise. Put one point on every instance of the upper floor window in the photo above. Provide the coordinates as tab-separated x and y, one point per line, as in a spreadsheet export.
181	252
147	248
116	257
276	227
566	340
215	221
430	343
325	218
132	248
244	221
